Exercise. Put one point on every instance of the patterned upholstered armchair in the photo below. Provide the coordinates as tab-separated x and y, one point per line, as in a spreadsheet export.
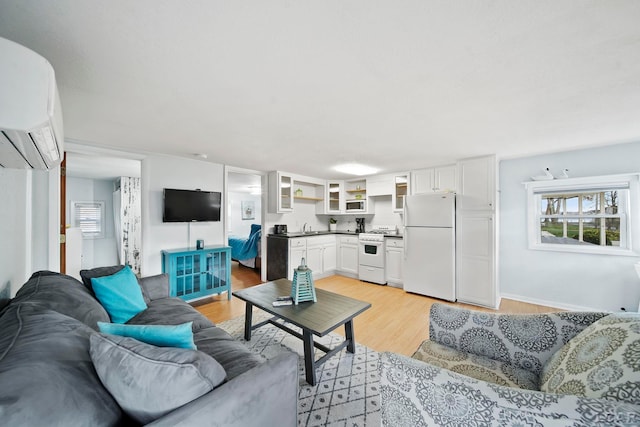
484	369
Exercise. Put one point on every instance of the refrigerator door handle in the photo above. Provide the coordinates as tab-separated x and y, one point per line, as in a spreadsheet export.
404	214
405	242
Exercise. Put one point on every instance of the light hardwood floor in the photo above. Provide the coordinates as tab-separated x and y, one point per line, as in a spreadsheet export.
397	321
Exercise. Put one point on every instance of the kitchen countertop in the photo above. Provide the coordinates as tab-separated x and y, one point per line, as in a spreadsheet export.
312	233
321	233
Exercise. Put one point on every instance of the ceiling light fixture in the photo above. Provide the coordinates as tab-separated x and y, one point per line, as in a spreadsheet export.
355	169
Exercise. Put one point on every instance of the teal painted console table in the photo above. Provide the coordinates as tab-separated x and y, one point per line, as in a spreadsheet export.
198	273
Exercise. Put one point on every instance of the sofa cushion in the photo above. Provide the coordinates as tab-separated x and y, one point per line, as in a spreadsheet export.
479	367
155	287
179	336
603	361
149	381
120	294
64	294
233	355
46	373
87	275
170	311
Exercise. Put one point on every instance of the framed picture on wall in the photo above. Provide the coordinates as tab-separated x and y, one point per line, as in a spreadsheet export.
248	209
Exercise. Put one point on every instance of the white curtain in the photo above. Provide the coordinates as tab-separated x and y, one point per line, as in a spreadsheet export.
117	222
129	221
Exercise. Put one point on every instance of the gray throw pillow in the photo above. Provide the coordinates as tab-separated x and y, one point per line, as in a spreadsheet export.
149	382
87	275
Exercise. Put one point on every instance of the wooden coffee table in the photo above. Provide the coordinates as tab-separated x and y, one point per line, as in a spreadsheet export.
319	318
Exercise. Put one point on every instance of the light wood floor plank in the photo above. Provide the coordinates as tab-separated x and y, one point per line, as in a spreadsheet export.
397	321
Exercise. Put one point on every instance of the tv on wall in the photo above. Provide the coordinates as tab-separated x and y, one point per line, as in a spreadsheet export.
191	205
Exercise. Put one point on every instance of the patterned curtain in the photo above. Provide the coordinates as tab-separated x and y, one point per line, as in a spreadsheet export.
130	220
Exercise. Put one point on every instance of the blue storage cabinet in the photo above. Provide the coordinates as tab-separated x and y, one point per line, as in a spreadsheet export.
198	273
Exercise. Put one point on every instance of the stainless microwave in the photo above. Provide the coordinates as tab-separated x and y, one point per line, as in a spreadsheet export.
355	206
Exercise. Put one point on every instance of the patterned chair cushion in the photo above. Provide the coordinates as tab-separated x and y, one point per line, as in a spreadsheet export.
414	393
525	341
479	367
603	361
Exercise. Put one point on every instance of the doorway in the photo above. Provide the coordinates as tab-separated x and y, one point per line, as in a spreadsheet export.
102	210
245	218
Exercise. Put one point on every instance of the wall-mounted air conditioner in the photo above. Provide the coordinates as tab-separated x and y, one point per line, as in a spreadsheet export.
31	133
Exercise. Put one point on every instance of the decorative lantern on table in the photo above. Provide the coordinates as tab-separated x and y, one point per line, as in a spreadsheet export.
302	288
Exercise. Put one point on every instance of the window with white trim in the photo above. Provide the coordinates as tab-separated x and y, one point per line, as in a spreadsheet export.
588	215
89	216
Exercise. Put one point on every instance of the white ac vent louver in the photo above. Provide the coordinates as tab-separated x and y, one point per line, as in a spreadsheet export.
31	132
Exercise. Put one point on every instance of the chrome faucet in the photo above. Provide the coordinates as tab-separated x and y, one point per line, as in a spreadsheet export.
304	227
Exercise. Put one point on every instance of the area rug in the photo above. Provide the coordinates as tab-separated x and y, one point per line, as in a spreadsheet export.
347	392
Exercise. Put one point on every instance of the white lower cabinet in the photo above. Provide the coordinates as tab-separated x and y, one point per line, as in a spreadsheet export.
321	255
394	254
348	255
329	253
297	251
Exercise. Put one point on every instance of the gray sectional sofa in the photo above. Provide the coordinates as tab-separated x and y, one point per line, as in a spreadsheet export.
486	369
47	376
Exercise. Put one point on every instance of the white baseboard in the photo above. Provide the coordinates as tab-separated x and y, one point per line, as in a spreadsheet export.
553	304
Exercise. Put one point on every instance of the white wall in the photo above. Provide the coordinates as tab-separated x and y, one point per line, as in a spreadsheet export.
14	192
236	225
565	280
25	226
158	173
98	252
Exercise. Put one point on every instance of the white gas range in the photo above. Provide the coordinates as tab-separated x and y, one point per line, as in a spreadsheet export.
371	253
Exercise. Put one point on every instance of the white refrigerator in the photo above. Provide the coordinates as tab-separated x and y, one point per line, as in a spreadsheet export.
430	245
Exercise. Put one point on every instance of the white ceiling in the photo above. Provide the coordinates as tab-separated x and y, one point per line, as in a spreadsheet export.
300	86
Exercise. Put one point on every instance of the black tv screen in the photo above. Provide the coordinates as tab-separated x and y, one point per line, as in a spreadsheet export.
191	205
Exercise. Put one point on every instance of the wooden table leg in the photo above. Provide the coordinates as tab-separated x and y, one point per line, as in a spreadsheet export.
309	357
248	313
348	334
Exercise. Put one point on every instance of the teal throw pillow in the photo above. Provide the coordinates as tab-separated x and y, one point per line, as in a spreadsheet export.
179	336
119	294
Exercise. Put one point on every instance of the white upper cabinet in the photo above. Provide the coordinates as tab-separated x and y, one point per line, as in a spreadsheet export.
441	179
380	185
400	189
280	192
477	184
335	197
285	190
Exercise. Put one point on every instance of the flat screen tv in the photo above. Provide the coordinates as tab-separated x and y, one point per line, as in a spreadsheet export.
191	205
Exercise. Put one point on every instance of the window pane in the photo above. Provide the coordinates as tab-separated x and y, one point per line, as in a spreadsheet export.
590	204
89	217
611	201
613	231
552	227
550	205
573	207
552	231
